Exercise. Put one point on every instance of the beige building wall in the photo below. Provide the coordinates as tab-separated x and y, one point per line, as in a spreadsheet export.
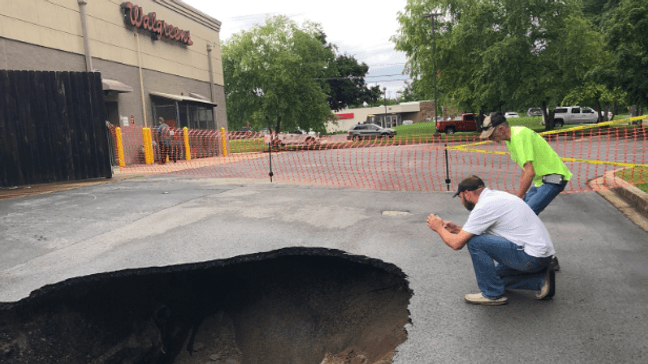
56	24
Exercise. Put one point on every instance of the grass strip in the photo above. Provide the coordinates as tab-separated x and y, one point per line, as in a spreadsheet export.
638	176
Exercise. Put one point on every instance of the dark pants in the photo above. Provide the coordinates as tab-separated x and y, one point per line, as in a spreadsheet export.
168	151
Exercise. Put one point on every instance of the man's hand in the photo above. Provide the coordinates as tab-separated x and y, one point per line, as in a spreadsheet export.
450	233
434	222
452	227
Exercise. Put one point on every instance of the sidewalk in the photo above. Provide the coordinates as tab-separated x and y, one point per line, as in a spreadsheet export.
43	188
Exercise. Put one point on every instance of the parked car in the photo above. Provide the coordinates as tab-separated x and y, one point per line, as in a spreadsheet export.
467	122
369	131
511	114
534	111
297	137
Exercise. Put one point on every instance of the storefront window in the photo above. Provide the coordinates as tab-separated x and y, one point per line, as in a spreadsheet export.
201	117
181	113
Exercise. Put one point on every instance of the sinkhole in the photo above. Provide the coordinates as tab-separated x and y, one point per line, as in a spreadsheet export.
295	305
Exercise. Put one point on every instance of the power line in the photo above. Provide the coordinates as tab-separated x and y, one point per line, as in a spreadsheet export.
355	77
396	74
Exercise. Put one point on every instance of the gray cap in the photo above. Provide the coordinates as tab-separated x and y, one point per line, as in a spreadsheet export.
469	184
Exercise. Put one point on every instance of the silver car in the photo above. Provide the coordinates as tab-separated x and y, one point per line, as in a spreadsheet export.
369	131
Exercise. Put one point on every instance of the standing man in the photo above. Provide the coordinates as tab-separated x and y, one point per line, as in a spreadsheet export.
164	139
500	228
544	174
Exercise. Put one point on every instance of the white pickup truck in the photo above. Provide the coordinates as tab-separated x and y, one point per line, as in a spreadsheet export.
568	115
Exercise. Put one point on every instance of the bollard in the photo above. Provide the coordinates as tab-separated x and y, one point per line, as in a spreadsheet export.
185	133
224	142
148	145
120	147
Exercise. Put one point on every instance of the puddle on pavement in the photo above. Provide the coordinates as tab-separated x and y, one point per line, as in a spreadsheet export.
294	305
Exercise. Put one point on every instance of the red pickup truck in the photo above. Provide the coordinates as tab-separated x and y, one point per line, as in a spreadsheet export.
468	122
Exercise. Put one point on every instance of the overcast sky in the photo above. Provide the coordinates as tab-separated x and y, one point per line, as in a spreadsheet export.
360	28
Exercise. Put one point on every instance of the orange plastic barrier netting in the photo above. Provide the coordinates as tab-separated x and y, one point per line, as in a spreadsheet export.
401	163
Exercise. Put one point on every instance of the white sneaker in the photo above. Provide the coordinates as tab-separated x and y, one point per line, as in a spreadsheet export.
480	299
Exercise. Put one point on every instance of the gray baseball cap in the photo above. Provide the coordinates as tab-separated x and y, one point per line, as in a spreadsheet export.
469	184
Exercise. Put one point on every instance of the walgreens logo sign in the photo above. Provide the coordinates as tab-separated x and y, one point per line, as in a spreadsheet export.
134	16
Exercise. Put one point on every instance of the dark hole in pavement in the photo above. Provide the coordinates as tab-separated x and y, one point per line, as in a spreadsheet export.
295	305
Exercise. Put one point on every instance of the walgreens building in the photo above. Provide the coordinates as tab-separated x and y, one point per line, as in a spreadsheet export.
157	58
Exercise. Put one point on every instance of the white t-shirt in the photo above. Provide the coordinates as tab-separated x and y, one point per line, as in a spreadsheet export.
506	215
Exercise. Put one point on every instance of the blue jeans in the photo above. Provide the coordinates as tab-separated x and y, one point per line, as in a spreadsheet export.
515	269
539	197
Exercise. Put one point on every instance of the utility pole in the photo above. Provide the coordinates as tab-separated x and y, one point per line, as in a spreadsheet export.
384	122
434	70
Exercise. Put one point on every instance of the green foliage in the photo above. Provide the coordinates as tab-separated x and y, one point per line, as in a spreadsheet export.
598	11
347	85
626	35
494	54
272	71
412	92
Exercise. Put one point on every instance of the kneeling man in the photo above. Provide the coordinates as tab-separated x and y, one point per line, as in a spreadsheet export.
501	227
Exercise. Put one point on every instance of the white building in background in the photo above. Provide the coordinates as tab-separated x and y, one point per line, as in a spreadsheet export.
387	117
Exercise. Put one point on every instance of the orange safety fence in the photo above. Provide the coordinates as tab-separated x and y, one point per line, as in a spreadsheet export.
412	163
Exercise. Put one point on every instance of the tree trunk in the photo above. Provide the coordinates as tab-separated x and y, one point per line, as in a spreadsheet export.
597	107
548	117
480	119
606	111
278	123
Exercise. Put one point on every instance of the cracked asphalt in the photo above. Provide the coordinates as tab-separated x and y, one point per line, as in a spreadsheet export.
599	313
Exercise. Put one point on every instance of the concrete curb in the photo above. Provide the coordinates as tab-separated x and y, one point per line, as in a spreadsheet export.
628	199
42	188
637	198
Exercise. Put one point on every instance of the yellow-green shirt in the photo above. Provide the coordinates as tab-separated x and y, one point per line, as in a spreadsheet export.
527	146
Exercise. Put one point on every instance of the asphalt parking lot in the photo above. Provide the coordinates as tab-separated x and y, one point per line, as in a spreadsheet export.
599	313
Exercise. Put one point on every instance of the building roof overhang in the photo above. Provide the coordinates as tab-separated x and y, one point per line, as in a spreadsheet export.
181	98
114	85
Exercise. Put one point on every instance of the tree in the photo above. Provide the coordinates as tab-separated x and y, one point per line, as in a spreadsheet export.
500	52
271	73
596	94
626	36
411	92
599	11
347	84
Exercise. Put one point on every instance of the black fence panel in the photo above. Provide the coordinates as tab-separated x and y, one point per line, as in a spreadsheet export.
52	127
